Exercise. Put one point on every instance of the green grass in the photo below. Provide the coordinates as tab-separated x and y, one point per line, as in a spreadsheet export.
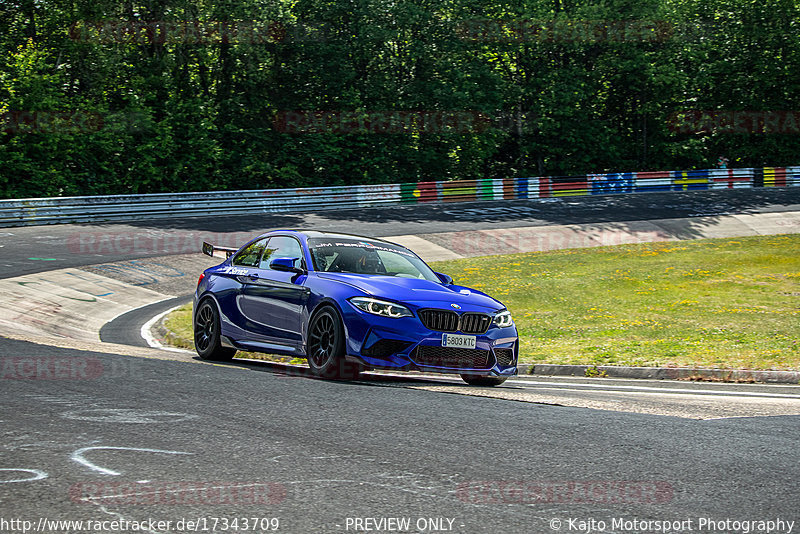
178	326
729	303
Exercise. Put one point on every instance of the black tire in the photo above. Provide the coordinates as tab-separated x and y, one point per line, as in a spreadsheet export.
207	333
325	352
475	380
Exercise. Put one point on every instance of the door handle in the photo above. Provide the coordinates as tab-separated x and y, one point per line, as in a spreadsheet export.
248	278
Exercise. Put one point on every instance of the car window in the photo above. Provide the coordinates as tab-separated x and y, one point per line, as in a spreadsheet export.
397	265
349	255
250	255
282	247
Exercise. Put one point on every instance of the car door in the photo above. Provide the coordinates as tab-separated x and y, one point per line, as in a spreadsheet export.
273	302
246	262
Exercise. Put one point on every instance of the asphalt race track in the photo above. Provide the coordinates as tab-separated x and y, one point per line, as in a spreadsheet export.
165	443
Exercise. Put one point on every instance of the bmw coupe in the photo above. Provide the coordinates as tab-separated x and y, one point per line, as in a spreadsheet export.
349	303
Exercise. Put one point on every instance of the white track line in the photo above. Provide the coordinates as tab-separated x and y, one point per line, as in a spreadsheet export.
644	389
146	333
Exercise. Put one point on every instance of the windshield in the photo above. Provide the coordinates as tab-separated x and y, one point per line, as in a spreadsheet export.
344	255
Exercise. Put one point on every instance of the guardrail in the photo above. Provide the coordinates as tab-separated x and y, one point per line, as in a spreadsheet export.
54	210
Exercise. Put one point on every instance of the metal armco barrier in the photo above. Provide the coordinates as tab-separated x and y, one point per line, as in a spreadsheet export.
55	210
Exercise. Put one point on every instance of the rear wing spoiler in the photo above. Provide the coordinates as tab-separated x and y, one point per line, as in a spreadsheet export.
209	249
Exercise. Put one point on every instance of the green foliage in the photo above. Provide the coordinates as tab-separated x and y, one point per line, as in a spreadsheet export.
594	372
565	88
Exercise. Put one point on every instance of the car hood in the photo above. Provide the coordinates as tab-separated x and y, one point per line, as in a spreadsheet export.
421	293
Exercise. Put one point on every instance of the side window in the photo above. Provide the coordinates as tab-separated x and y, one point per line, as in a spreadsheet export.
250	255
282	247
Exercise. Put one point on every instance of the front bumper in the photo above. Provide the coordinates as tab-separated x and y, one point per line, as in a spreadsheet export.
405	344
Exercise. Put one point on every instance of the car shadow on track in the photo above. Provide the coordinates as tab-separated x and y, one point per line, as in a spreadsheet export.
285	370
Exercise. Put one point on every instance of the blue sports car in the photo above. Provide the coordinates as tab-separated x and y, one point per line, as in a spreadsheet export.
347	304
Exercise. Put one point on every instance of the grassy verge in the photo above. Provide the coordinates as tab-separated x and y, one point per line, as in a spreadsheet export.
730	303
176	328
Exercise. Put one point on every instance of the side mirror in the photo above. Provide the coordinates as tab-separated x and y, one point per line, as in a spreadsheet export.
446	279
286	265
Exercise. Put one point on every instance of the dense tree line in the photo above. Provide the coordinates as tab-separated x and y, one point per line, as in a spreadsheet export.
142	96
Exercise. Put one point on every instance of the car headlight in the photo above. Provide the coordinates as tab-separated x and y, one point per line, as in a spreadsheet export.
503	319
381	307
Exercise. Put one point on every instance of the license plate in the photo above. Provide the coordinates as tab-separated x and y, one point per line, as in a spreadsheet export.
456	340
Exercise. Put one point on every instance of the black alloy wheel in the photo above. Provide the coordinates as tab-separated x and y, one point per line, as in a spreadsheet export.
207	341
326	349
